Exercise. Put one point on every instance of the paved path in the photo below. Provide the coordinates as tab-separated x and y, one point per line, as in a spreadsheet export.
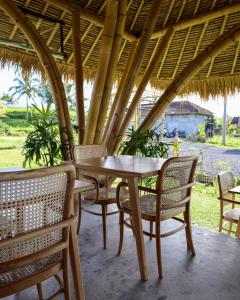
215	159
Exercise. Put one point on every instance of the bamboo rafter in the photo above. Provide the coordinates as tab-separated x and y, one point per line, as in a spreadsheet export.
86	15
220	44
55	29
221	32
235	57
87	30
200	19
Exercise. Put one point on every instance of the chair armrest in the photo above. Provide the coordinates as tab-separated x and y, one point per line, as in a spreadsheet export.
229	201
67	162
124	184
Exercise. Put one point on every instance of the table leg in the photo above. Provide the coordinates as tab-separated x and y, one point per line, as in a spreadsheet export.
75	264
137	222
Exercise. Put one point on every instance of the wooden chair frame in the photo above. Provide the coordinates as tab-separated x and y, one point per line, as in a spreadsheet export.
103	203
62	246
157	219
223	202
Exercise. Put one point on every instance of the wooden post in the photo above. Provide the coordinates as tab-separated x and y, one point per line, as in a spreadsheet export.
51	70
175	88
133	71
78	74
122	10
121	84
143	83
224	129
104	58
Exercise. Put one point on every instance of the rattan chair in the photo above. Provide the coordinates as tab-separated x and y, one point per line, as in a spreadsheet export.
170	199
103	195
35	222
227	200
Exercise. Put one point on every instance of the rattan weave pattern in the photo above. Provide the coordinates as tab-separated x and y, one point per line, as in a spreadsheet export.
27	205
177	174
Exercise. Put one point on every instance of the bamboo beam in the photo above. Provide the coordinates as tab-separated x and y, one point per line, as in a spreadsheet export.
122	11
53	32
200	19
92	47
50	68
175	88
235	57
87	15
109	125
134	68
78	75
104	59
86	31
143	83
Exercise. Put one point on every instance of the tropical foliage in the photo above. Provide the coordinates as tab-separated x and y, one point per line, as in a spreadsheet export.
147	143
42	145
25	86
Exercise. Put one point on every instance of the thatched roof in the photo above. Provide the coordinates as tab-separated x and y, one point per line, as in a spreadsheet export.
197	23
179	108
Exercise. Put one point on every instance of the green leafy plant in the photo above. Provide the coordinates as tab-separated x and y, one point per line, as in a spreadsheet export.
42	145
147	143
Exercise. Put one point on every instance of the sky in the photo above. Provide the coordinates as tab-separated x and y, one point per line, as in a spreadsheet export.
216	106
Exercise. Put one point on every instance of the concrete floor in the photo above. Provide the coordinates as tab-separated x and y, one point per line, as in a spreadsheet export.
213	274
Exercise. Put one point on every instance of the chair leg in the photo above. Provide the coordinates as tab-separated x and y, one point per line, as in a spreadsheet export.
150	229
238	230
186	233
158	249
104	220
230	228
79	212
121	231
66	284
189	230
220	224
40	291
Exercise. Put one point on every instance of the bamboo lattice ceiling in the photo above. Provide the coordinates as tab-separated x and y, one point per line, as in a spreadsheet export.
185	44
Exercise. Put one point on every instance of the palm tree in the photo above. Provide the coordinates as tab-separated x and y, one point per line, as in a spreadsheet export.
45	93
7	99
70	94
25	85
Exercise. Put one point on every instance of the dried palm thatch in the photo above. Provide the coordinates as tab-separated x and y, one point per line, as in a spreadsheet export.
176	35
196	23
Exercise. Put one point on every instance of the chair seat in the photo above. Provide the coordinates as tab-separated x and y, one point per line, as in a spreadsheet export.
148	208
83	186
29	270
233	214
106	195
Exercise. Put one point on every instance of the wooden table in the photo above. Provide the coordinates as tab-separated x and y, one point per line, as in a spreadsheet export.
131	168
235	190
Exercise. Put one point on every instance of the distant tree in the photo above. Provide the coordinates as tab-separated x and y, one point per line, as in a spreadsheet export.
25	86
7	98
70	94
45	93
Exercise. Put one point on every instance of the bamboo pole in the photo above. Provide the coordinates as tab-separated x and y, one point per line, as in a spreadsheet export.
200	19
133	71
108	127
104	59
224	129
143	83
78	75
50	68
219	45
87	15
122	10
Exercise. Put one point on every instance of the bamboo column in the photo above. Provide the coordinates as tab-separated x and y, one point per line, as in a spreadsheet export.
121	84
143	83
122	10
175	88
224	129
78	75
133	71
51	70
104	58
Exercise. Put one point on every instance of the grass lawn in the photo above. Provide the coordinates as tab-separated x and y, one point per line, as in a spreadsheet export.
7	142
11	158
205	207
231	142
